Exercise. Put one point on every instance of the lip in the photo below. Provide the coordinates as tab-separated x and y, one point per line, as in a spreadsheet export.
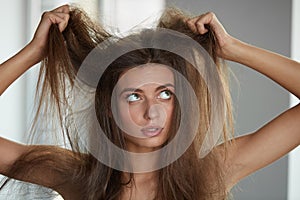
151	131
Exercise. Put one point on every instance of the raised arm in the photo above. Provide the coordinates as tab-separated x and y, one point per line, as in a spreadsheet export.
18	64
35	50
10	152
254	151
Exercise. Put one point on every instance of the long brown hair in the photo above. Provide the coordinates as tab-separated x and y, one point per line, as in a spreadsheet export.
188	178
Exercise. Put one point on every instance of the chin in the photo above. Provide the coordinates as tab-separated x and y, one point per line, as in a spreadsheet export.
141	145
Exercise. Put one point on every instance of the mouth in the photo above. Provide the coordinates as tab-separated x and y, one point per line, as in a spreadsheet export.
151	131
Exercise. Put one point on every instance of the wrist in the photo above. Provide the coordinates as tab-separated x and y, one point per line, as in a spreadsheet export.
34	52
231	49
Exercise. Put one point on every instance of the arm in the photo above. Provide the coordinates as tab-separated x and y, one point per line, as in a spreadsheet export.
35	50
280	135
254	151
11	152
41	173
282	70
16	66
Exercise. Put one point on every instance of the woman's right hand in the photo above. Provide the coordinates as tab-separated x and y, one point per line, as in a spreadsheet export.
35	51
60	17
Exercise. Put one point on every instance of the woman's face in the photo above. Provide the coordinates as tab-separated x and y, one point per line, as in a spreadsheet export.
145	104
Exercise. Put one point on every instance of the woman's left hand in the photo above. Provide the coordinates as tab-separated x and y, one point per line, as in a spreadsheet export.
199	25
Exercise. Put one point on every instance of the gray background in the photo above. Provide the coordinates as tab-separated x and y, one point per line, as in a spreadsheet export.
256	99
264	23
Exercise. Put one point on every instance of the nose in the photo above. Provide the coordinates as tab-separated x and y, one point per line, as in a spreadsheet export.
154	110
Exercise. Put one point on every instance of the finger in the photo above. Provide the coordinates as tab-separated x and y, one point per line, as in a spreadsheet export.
197	24
64	21
201	27
197	27
195	19
61	19
191	24
205	19
63	16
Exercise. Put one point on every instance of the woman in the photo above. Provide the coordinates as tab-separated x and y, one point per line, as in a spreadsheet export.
142	85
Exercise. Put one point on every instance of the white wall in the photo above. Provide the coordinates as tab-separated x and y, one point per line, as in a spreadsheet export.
12	39
122	15
13	101
294	156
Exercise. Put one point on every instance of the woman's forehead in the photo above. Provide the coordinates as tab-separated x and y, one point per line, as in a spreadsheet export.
144	74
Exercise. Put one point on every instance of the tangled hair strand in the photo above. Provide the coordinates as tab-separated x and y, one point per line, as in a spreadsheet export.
188	178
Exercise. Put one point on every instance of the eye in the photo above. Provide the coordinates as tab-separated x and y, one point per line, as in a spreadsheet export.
166	94
133	97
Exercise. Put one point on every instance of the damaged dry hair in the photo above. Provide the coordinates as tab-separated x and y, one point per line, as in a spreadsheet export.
189	177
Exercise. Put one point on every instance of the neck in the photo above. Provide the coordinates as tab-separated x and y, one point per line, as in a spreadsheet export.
141	178
142	186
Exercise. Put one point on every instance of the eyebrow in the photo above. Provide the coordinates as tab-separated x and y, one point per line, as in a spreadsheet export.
164	86
139	90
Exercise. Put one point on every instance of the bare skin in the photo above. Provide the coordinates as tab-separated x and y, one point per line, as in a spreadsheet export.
144	187
245	155
275	139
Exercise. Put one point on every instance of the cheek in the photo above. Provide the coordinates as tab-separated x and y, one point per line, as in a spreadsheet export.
123	113
130	114
134	115
167	115
169	112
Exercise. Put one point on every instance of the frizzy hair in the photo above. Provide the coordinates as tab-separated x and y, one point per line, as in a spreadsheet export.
188	178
